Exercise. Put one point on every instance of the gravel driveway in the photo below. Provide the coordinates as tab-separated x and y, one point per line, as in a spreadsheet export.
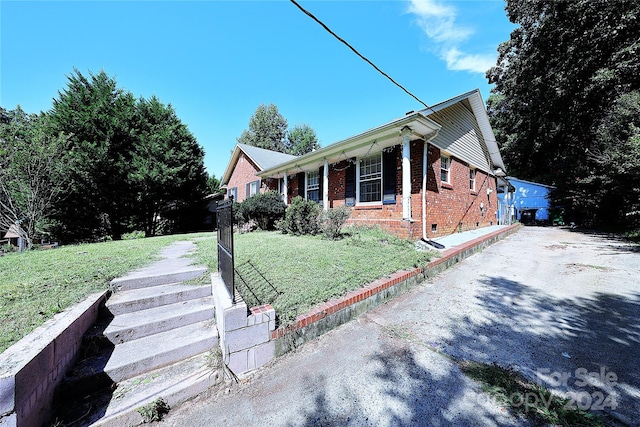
559	306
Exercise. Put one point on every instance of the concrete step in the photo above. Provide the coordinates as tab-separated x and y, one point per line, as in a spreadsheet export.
139	324
158	275
119	406
155	296
146	354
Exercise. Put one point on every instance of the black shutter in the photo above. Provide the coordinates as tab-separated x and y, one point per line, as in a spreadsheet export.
320	184
248	188
389	176
301	184
350	185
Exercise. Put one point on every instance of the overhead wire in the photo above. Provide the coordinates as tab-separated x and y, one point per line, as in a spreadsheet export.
368	61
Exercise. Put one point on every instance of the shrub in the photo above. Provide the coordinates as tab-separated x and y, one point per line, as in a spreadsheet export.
137	234
301	217
263	208
334	220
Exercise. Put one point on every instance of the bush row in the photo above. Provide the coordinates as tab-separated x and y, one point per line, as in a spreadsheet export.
267	211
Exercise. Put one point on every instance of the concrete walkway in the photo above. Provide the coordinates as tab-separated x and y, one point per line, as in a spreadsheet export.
543	301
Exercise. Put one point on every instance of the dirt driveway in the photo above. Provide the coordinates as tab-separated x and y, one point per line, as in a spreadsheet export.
557	305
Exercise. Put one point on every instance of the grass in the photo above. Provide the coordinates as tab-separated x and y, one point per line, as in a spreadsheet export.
528	399
308	270
36	285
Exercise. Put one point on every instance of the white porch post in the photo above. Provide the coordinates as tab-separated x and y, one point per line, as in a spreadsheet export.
425	159
325	185
285	189
406	173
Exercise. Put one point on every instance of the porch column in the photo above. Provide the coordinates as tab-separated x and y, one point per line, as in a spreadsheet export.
285	189
406	173
325	185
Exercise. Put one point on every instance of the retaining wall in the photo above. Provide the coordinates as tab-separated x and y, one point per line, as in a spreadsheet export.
334	313
31	369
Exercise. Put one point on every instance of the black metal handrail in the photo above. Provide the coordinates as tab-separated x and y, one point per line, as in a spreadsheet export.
225	245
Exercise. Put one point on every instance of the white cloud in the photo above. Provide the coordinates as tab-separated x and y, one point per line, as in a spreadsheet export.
438	21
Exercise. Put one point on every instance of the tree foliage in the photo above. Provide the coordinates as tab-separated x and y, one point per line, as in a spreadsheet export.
268	130
563	71
134	165
301	139
33	174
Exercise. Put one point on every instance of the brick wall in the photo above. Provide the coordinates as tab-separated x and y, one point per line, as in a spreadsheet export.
453	207
243	172
449	206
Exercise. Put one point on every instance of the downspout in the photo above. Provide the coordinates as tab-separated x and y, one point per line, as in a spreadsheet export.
425	159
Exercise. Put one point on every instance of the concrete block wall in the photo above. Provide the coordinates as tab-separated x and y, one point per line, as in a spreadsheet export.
31	369
244	334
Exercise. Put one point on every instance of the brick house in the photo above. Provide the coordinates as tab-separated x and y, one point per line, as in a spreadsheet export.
241	178
427	174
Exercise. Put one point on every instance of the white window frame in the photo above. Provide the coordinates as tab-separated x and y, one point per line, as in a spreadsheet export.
312	184
445	168
233	191
472	179
254	188
369	177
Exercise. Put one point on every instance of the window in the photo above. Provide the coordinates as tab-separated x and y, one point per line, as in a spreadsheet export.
233	192
445	166
370	178
472	179
253	188
313	186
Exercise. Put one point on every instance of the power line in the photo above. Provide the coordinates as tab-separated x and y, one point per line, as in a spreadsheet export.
354	50
310	15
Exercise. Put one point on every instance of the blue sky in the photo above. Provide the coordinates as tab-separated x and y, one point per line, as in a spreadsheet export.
216	61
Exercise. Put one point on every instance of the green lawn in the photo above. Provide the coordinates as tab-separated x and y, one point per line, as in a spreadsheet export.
307	270
36	285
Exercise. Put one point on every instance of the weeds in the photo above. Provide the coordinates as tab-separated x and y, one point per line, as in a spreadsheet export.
529	399
154	411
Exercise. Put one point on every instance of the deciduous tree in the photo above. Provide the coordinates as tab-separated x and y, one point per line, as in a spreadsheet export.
562	71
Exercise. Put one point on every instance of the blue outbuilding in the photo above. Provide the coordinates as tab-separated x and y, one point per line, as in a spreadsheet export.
529	202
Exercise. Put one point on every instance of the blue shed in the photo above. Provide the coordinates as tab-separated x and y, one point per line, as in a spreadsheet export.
528	201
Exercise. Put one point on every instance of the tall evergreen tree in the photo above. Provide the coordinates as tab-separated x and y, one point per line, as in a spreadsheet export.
167	168
559	75
267	129
98	116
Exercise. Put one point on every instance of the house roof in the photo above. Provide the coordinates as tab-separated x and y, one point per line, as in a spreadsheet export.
263	159
383	136
476	104
513	178
424	125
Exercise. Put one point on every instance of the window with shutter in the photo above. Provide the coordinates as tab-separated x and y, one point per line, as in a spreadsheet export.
389	175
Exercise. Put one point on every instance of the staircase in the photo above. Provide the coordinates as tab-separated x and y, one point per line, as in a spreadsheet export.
156	339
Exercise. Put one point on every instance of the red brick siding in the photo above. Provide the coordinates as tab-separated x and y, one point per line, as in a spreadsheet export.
243	172
447	205
454	205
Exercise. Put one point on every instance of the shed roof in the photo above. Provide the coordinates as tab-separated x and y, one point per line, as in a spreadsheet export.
13	232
